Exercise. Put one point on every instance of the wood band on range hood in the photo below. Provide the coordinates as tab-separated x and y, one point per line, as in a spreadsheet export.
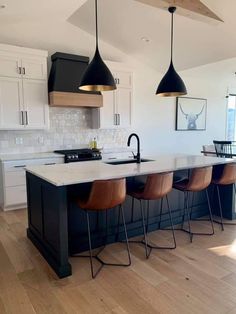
64	80
65	99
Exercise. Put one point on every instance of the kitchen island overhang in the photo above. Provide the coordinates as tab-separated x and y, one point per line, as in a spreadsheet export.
56	226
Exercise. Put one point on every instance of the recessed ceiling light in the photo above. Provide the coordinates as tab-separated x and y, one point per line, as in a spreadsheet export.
145	39
2	6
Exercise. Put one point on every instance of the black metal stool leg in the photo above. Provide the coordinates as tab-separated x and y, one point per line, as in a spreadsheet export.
221	212
184	211
210	211
147	219
118	225
220	208
132	210
94	274
191	210
126	236
96	256
188	217
172	228
161	209
171	221
144	231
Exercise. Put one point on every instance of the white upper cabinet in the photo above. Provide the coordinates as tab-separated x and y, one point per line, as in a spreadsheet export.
123	107
10	65
123	79
11	103
35	103
34	68
23	88
117	105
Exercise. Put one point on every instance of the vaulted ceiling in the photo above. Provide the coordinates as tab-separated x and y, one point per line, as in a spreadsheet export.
137	28
198	40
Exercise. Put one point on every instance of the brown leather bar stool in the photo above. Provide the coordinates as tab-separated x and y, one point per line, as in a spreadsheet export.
227	177
157	186
199	180
104	195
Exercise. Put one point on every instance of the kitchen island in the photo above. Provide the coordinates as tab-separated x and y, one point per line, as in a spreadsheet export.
57	227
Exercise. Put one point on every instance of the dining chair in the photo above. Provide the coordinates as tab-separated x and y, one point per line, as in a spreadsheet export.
223	149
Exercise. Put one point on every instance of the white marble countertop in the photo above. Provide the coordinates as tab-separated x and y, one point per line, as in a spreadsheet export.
24	156
88	171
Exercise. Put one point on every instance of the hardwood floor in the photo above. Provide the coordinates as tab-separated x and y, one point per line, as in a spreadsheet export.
194	278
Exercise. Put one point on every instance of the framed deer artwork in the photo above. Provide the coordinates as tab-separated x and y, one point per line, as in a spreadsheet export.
190	114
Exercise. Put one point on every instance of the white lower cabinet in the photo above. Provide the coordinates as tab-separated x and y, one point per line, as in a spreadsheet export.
13	180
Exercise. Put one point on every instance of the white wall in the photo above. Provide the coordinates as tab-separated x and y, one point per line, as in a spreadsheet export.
153	117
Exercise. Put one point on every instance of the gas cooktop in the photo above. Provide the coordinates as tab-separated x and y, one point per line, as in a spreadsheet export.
82	154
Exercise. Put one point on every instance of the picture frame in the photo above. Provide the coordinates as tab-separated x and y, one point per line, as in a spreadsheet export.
190	114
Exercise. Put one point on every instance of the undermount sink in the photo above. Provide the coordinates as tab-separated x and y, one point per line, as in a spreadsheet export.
123	162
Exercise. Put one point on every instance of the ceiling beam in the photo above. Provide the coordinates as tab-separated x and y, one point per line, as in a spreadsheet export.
195	6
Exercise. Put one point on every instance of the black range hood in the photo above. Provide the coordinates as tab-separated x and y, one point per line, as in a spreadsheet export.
64	80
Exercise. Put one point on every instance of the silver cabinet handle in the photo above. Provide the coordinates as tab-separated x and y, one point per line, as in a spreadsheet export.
114	118
19	69
26	117
22	120
23	70
118	115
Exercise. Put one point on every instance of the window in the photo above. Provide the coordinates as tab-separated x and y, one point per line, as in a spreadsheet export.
231	118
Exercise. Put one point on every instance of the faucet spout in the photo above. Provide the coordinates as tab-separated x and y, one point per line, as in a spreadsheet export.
137	157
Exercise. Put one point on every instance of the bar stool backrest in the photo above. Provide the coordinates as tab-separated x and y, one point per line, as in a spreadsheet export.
105	194
200	179
228	175
157	185
223	148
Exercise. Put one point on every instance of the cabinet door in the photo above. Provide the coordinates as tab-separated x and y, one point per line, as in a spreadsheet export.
124	106
9	66
11	103
123	79
107	112
35	100
34	68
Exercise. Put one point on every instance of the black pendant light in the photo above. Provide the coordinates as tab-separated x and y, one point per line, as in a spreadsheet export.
97	77
171	84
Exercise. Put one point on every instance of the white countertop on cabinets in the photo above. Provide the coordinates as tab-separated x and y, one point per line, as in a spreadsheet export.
25	156
88	171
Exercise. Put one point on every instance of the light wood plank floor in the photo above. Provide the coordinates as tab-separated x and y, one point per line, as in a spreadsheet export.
195	278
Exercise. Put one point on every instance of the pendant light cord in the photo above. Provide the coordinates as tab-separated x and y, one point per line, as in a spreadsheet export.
96	19
172	34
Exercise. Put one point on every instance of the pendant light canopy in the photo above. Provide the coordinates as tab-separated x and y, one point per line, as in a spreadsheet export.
171	84
97	76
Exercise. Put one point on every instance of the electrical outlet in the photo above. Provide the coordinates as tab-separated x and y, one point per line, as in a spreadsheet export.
19	140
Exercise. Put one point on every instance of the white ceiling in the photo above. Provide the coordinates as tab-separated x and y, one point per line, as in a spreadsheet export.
123	23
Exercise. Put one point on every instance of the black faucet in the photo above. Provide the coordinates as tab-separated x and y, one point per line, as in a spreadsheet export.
137	157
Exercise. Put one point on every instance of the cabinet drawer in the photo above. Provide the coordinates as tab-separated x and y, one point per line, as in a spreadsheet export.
18	165
15	178
15	195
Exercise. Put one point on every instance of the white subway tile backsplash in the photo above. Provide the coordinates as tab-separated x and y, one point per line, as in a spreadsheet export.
69	128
